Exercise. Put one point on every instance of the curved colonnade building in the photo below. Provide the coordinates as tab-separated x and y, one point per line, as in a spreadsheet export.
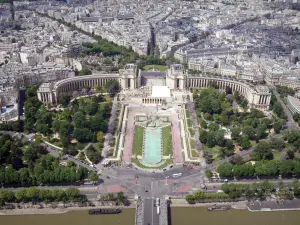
175	78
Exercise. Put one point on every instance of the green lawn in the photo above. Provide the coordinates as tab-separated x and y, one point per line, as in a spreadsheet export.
139	164
167	141
138	140
194	153
159	67
189	123
192	141
78	146
191	131
276	155
214	151
188	114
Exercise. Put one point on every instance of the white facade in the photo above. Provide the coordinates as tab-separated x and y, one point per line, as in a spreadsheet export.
176	79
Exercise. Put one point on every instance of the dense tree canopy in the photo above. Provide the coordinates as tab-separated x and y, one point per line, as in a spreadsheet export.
270	168
33	165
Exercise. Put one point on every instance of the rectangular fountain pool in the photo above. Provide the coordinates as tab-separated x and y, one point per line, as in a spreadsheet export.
152	146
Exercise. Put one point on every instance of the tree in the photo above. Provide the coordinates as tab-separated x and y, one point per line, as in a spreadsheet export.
207	116
225	170
32	193
216	118
30	154
276	143
121	197
79	119
262	151
42	128
286	167
190	199
219	138
208	173
202	123
291	135
92	108
210	140
100	136
249	131
71	164
229	144
270	168
249	193
245	142
58	195
280	184
277	108
203	136
64	99
113	86
82	134
72	193
261	131
93	177
213	126
244	103
224	119
65	129
7	196
235	133
237	159
25	178
21	195
296	187
208	157
286	194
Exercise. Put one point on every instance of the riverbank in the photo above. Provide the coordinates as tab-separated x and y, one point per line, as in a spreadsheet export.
46	211
30	210
183	203
257	206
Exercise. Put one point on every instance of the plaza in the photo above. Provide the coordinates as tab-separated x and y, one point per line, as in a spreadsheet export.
157	125
152	137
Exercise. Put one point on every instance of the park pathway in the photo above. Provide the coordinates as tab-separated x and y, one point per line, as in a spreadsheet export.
198	144
111	126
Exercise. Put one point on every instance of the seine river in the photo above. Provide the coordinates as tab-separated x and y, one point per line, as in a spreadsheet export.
180	216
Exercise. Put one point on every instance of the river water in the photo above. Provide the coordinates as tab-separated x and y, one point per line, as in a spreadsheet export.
180	216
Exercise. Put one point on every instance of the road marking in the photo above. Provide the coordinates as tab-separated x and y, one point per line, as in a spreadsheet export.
152	209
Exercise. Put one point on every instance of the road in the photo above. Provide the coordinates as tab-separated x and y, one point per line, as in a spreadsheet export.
150	214
290	123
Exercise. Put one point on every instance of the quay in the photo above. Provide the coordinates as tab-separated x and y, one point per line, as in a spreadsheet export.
279	205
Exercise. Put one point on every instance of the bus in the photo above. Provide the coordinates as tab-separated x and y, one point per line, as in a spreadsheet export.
157	201
177	174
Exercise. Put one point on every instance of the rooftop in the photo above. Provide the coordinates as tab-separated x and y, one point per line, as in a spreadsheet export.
294	101
262	88
161	92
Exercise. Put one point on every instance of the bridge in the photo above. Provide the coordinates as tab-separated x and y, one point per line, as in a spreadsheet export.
149	212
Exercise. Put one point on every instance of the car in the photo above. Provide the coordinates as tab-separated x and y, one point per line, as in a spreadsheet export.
164	169
146	190
203	186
